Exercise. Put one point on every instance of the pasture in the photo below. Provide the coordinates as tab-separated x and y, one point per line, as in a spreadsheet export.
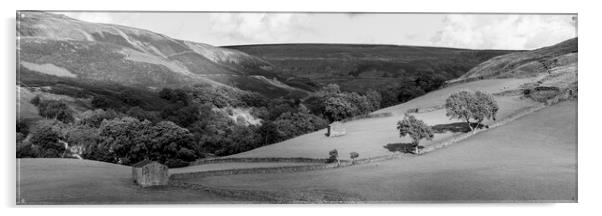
373	137
71	181
533	158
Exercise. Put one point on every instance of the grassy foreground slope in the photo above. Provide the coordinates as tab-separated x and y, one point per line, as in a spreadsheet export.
369	137
532	158
71	181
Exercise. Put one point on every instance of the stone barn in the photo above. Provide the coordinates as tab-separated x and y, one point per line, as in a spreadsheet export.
150	173
336	129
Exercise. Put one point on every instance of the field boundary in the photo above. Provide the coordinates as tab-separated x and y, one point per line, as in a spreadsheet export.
258	160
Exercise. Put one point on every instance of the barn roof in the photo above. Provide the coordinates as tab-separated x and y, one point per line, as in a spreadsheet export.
142	163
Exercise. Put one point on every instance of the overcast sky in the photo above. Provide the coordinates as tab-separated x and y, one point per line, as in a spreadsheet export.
475	31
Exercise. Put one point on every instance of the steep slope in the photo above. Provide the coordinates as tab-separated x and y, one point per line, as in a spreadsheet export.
72	49
362	67
522	64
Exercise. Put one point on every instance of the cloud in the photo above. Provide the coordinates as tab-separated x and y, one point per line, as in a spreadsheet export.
504	31
95	17
259	27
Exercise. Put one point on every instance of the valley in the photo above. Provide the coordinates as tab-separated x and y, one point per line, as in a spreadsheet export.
250	123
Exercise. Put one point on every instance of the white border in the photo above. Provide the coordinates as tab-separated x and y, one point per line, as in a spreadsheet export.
589	143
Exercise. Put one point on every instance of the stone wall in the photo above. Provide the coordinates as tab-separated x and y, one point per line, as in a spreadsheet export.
257	160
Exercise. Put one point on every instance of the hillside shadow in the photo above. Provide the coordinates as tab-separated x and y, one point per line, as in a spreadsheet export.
457	127
402	147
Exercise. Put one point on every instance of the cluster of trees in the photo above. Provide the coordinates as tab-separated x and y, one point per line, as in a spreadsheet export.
333	104
411	87
190	126
111	137
463	105
189	123
53	109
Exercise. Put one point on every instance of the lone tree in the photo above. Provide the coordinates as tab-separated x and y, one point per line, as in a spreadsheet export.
459	105
353	156
487	107
334	156
465	105
414	128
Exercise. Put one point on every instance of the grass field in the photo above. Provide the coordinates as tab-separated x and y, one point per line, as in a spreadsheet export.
532	158
71	181
369	137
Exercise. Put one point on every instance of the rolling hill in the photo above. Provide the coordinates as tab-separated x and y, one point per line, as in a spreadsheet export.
371	136
532	159
70	49
523	64
528	158
362	67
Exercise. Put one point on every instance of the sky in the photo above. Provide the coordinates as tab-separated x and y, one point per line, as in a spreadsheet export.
472	31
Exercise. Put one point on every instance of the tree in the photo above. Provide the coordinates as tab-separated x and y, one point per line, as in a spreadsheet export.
353	156
337	108
330	89
101	102
360	103
293	124
93	118
415	128
375	98
334	156
141	114
46	139
176	96
129	140
487	107
466	106
268	132
254	100
183	116
125	139
460	105
409	91
55	110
